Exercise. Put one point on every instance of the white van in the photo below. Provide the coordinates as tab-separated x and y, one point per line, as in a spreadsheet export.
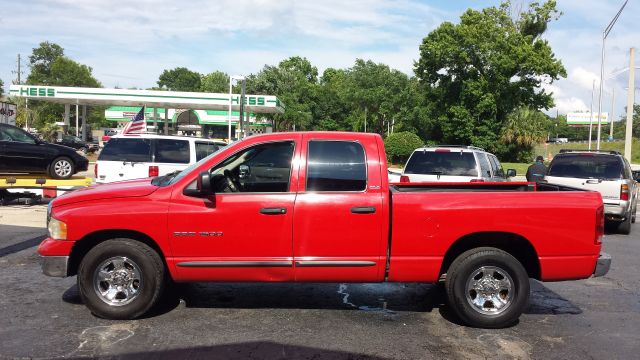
127	157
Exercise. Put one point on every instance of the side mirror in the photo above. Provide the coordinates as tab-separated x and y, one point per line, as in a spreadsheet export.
203	186
245	171
511	172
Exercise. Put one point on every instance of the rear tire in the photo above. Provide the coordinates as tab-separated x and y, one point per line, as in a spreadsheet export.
624	227
121	279
487	288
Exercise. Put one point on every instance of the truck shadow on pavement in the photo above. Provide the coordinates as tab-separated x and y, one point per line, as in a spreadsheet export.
385	298
243	350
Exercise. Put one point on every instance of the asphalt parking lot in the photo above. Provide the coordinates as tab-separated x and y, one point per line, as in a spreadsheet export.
44	318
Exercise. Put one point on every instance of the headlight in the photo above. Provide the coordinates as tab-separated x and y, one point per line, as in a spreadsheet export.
57	229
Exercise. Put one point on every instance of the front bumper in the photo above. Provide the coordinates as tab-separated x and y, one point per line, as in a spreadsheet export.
55	266
602	265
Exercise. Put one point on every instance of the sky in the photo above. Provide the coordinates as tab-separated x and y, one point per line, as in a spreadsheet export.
129	43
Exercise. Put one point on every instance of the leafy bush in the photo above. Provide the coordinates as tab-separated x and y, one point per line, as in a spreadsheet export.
400	145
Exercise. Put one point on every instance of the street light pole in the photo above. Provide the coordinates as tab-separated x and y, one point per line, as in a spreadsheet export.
231	78
605	33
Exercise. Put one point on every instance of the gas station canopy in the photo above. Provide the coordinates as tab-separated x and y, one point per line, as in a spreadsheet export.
152	98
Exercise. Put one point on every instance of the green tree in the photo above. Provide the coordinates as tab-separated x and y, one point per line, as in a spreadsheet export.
295	82
475	73
41	62
524	128
180	79
1	87
215	82
400	145
49	66
375	91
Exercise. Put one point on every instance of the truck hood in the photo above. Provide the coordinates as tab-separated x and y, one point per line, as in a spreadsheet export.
123	189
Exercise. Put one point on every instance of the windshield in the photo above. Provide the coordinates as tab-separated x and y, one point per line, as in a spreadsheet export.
586	166
454	163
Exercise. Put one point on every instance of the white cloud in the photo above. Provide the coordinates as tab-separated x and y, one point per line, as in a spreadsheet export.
584	78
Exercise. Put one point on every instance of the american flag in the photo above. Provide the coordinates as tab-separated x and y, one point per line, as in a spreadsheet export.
137	125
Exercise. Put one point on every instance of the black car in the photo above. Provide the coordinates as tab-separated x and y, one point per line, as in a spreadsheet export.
21	152
77	143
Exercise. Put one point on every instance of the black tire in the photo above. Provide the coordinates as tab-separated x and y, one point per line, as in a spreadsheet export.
148	266
62	168
624	227
460	276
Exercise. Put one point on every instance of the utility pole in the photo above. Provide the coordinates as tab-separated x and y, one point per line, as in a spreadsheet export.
605	33
611	118
630	96
593	87
365	119
18	71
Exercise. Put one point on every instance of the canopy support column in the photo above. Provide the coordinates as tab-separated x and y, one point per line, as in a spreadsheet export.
85	124
166	121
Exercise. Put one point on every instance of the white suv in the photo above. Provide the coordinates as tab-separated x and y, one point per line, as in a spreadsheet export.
127	157
450	163
607	172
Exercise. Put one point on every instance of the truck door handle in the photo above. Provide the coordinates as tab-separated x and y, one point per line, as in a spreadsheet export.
363	210
594	181
273	211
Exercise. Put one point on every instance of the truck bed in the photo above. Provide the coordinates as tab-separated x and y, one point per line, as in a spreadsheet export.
428	218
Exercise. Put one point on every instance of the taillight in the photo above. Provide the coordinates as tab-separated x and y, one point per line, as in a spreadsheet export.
624	192
599	225
95	171
404	179
153	171
477	180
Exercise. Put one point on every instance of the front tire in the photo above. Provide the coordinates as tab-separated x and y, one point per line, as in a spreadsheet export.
121	279
487	288
62	168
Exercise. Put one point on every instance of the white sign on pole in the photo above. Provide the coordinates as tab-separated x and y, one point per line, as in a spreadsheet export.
586	118
8	113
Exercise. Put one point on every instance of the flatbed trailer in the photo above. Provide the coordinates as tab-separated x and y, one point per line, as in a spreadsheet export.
34	188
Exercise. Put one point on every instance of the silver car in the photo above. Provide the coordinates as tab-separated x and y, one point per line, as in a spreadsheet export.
607	172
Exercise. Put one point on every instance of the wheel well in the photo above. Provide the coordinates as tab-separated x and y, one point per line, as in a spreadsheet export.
514	244
82	246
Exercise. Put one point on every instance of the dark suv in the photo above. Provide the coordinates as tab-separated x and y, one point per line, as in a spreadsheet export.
21	152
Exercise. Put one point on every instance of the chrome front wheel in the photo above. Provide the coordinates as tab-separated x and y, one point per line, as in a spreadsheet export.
117	281
121	279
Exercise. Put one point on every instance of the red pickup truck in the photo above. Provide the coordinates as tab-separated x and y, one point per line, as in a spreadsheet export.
318	207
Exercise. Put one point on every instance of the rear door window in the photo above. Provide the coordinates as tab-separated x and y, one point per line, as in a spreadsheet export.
452	163
204	149
172	151
496	167
485	168
336	166
129	150
586	166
